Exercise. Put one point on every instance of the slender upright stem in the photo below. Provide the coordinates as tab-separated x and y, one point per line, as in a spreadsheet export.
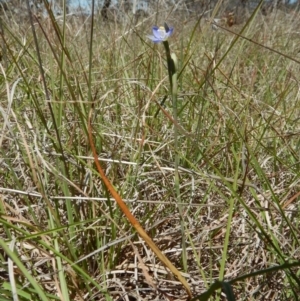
171	64
173	83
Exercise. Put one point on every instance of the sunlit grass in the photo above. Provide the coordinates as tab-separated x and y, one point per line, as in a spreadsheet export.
237	150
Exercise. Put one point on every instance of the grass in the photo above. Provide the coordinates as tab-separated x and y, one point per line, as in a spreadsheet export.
236	200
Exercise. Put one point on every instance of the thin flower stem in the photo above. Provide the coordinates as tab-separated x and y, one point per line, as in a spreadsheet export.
171	64
177	183
173	84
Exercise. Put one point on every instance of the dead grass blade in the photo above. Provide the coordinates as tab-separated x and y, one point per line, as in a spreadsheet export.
134	222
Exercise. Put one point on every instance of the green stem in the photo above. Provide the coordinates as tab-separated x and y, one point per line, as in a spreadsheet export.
173	84
171	64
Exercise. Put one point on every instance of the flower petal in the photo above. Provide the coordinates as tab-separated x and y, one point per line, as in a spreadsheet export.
170	31
161	34
154	39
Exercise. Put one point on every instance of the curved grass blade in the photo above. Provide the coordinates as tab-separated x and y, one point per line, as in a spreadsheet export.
225	285
134	222
13	256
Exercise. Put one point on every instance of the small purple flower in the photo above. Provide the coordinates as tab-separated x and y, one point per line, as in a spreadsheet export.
160	34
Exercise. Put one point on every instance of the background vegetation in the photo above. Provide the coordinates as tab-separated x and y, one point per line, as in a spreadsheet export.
63	237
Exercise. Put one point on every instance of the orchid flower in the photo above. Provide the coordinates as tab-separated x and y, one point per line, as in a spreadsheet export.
160	34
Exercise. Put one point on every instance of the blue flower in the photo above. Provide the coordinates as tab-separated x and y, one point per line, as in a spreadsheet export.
160	34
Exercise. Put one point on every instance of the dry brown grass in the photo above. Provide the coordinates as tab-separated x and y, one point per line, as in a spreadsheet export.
238	161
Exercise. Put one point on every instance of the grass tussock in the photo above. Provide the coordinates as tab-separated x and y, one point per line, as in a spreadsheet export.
63	237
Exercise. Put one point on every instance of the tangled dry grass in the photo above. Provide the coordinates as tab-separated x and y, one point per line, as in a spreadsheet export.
63	237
